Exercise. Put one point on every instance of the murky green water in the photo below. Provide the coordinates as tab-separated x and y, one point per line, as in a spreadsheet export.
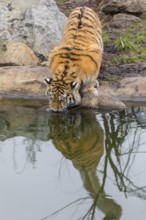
76	165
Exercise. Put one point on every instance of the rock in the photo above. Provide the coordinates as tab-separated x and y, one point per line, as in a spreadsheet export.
23	82
123	20
132	87
44	63
12	53
110	102
39	24
104	101
78	2
137	7
129	88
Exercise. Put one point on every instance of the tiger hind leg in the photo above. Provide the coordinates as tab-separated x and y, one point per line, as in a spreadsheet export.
90	90
90	95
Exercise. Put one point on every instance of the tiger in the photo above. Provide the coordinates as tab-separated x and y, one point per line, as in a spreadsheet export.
76	62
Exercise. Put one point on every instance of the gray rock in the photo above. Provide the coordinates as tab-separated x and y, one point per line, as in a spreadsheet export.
37	23
132	87
123	6
23	82
123	20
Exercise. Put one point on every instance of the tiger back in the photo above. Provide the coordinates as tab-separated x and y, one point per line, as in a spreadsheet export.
75	63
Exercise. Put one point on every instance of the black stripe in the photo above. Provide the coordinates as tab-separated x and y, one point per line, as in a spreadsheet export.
77	48
88	25
83	38
80	44
92	16
65	48
86	55
71	29
74	15
87	31
71	22
88	18
66	67
94	39
79	24
80	16
71	58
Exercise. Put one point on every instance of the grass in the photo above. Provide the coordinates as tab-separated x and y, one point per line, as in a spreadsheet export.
129	45
123	43
106	38
61	1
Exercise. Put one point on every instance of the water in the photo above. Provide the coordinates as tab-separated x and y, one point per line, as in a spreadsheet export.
83	164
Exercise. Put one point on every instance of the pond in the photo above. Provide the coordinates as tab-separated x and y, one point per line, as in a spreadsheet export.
82	164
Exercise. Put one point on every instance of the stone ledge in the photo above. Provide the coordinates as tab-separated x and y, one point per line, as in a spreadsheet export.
28	83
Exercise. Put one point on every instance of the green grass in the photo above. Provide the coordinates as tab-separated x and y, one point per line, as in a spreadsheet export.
123	59
61	1
106	38
124	43
129	44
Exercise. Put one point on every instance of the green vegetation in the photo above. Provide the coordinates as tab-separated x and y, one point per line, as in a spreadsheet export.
128	59
123	43
113	78
61	1
129	45
106	38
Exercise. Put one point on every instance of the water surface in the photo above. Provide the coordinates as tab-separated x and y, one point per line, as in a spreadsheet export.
82	164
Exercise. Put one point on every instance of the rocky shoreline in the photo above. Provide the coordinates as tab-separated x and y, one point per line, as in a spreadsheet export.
26	82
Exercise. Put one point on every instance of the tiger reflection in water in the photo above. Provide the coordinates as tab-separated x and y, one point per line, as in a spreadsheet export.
79	137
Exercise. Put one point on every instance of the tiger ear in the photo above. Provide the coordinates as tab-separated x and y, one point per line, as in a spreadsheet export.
75	85
48	81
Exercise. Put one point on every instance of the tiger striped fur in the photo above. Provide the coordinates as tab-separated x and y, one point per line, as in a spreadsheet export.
75	63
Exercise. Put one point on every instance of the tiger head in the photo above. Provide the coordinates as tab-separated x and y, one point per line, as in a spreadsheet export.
62	95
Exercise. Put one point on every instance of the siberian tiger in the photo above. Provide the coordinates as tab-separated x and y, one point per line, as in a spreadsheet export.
75	63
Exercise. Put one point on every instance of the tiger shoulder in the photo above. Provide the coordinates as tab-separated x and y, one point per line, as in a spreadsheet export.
76	62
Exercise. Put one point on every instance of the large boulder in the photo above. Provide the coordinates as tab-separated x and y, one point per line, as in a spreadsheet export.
23	82
137	7
39	24
13	53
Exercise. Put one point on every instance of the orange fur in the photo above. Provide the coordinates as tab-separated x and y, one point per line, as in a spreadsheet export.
78	57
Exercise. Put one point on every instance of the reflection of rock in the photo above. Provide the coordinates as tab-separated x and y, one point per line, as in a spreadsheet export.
17	120
12	53
37	23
